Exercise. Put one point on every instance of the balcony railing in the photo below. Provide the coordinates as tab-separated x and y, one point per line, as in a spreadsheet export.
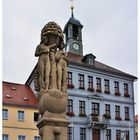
97	121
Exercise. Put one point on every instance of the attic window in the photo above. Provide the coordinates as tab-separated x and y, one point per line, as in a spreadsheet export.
8	96
26	99
90	61
13	88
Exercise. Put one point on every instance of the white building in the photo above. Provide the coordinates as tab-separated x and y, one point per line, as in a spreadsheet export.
101	98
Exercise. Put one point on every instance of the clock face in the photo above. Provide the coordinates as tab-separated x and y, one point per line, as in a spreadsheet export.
76	46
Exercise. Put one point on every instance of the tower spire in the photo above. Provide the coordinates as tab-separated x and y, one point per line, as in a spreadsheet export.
72	7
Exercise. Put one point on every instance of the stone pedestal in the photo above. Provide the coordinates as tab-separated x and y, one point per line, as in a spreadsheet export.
53	123
53	129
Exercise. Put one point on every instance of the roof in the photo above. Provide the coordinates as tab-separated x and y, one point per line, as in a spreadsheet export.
78	60
18	94
89	55
74	21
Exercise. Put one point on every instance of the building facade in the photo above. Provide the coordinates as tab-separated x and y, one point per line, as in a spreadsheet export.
19	113
101	98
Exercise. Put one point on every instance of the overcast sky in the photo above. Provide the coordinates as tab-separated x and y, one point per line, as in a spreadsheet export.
109	32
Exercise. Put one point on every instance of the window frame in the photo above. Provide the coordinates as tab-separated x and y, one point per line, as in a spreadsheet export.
108	134
5	114
117	111
69	78
116	87
75	32
98	84
82	107
106	85
125	88
21	137
107	109
37	138
4	137
90	61
90	81
21	113
126	112
127	135
37	113
70	105
82	133
81	80
95	108
118	134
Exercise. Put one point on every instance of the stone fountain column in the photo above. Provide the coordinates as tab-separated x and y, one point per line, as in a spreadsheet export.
50	82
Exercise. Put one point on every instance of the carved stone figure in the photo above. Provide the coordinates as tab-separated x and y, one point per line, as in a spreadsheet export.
61	68
53	76
42	51
50	82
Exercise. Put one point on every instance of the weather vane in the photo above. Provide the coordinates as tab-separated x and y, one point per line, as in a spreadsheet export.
72	7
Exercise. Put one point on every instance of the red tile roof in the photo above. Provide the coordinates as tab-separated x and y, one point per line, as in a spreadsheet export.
77	59
18	94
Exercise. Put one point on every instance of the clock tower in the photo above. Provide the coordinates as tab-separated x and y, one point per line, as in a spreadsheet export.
73	35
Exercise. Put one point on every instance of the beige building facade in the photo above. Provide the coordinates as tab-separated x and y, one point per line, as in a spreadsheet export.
20	113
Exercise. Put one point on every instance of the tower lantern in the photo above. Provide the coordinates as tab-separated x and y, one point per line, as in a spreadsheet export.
73	34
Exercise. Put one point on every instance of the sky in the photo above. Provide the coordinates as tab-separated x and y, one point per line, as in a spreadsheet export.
109	32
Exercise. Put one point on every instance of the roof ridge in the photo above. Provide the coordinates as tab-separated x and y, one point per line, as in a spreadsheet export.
13	83
114	68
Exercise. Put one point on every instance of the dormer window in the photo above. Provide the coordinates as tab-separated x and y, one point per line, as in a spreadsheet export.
90	61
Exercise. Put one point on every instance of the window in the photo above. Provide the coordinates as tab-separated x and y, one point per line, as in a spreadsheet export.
36	116
69	78
69	133
106	86
21	115
125	88
127	135
21	137
90	82
107	109
126	112
118	135
82	134
75	32
117	111
37	138
116	87
5	114
5	137
98	83
95	108
81	81
70	105
90	61
81	107
108	134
